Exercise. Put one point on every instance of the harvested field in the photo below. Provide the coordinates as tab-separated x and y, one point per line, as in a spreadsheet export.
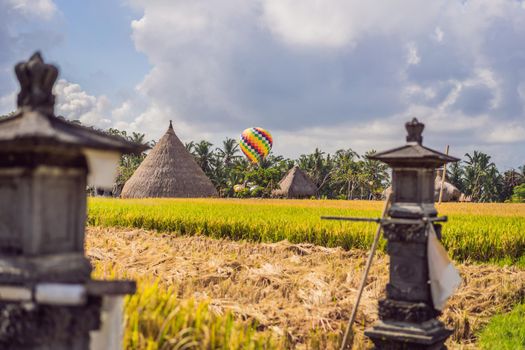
296	290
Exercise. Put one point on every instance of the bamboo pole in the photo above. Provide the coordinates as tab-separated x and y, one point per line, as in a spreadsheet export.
349	336
443	178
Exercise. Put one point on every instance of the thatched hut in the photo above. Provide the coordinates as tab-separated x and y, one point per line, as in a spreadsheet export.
450	192
169	170
295	184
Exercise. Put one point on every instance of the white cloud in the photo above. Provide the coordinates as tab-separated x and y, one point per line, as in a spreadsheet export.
327	73
316	73
507	133
72	102
45	9
7	103
413	91
412	54
337	23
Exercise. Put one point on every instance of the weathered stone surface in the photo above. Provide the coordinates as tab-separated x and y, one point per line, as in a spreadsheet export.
394	335
31	326
396	310
405	233
407	315
66	268
43	175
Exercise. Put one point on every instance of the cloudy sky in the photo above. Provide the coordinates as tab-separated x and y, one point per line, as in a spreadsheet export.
316	73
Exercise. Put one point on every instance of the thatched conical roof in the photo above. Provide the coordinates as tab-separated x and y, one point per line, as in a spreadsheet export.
450	192
169	170
295	184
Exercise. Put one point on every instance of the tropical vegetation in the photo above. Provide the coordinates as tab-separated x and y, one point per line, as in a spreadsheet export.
344	174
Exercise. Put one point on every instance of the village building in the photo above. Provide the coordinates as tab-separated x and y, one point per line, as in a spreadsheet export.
169	170
295	184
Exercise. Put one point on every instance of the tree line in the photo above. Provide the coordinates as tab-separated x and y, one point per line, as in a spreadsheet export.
344	174
478	177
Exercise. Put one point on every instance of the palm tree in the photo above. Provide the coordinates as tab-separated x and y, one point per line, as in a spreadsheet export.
375	176
138	137
229	151
190	146
482	179
346	171
455	175
204	156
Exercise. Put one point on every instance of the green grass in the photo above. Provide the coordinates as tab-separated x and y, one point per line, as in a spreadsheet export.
505	332
476	233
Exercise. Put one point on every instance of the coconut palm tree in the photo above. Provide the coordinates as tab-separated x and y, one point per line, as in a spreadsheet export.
190	146
138	137
346	171
455	174
204	156
229	150
375	176
482	179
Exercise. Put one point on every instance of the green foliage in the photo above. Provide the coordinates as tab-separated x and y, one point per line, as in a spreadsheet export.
505	331
482	180
518	195
479	178
128	162
345	175
455	174
156	319
511	179
487	236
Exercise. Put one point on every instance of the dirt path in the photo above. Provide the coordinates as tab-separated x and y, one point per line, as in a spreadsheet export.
289	288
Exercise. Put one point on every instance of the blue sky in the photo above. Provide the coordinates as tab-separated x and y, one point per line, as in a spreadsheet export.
330	74
96	49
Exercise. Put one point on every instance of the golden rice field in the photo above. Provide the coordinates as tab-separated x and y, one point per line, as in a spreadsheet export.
475	232
197	292
247	289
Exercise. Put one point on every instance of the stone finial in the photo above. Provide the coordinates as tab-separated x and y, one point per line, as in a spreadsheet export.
171	125
36	84
415	130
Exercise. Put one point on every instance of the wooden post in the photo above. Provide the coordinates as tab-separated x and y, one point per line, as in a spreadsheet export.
443	178
348	338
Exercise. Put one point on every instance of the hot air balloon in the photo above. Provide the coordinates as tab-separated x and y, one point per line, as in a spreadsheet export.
256	143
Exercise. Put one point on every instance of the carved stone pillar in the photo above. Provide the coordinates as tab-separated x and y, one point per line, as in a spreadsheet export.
47	297
407	317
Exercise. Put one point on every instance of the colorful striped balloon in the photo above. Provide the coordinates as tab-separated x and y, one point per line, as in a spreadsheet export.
256	143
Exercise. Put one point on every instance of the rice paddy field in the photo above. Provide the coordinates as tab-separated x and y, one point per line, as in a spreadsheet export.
475	232
269	274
